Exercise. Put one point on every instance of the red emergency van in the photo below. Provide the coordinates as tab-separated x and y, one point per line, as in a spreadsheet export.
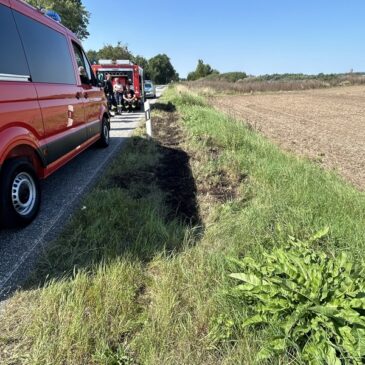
126	71
51	106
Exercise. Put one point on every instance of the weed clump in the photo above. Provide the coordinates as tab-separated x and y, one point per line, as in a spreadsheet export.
313	303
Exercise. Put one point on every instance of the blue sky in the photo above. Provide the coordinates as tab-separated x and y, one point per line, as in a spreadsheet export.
257	36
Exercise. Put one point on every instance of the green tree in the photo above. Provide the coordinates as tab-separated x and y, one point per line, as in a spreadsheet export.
92	56
110	52
202	70
118	52
161	69
191	76
73	14
143	62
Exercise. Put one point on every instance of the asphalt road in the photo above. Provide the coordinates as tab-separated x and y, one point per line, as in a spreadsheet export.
61	195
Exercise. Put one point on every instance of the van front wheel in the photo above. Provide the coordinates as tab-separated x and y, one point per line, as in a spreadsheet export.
20	193
105	133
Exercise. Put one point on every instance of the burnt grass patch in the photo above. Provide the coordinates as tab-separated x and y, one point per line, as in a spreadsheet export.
175	178
221	187
164	107
174	175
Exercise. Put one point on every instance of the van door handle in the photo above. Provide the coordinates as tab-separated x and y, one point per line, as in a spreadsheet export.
78	95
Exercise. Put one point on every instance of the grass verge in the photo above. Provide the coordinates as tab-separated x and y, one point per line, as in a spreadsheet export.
140	275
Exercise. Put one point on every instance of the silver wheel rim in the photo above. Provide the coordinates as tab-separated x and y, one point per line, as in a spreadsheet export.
23	193
106	133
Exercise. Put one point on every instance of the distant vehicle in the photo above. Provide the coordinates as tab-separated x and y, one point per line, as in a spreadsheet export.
126	72
51	106
149	89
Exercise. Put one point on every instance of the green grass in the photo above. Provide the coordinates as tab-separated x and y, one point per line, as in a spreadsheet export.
125	285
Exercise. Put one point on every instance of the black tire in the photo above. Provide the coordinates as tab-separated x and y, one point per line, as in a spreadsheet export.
104	140
20	194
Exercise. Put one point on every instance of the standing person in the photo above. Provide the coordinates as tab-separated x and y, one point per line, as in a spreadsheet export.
130	100
109	92
118	94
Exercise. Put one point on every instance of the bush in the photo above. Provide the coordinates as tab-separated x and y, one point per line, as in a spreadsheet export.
313	303
228	76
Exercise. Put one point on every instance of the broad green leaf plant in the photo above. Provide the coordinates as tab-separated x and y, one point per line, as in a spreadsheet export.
312	303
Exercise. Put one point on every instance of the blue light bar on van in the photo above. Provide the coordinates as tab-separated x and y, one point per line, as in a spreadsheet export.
53	15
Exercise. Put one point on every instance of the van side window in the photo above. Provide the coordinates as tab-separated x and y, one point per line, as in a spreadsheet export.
47	52
86	74
90	71
12	59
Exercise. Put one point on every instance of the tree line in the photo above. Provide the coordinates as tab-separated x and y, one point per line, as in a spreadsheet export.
158	68
204	70
75	16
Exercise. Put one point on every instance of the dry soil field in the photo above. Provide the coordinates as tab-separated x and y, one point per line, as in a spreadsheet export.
325	125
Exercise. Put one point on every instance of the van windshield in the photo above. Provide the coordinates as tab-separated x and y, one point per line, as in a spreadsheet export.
148	86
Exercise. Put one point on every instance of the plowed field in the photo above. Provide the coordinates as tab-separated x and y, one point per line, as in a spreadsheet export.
325	125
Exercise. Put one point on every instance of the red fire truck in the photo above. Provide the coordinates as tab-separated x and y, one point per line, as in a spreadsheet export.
126	71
